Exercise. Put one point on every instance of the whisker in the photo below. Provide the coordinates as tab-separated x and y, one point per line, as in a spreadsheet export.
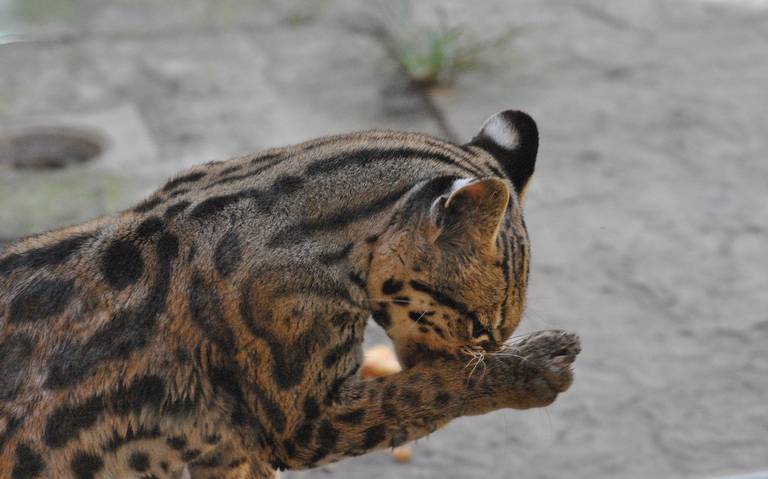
472	371
468	363
510	355
516	338
420	316
387	300
485	367
478	357
533	314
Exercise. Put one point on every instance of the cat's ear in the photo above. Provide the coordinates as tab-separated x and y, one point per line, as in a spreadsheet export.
513	139
471	210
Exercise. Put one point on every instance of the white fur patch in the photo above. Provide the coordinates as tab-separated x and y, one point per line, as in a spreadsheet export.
459	184
501	132
456	186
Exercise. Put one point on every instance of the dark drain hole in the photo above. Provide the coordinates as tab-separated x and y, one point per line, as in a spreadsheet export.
49	149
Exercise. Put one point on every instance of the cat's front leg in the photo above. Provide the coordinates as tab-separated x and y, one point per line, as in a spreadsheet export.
387	412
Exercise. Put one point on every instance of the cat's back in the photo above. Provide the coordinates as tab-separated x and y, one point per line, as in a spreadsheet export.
281	208
291	195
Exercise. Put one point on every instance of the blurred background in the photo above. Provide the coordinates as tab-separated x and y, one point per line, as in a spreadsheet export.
648	213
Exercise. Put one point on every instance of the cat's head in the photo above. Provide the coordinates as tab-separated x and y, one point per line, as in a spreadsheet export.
450	273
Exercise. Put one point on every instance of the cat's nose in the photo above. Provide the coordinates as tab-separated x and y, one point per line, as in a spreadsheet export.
489	345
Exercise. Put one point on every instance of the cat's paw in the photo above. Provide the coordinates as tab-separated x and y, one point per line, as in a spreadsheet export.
541	366
552	353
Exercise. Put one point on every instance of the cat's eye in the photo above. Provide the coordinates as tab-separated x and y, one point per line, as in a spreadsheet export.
478	329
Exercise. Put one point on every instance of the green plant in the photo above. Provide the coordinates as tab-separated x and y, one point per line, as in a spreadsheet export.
435	52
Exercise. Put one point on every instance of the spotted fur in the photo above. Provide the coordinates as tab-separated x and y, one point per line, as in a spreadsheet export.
217	326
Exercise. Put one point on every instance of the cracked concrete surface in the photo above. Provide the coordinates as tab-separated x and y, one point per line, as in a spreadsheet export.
648	214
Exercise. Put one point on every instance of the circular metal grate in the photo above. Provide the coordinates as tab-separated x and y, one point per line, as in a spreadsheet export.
49	148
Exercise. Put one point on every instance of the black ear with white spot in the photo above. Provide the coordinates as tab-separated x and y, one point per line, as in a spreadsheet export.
513	139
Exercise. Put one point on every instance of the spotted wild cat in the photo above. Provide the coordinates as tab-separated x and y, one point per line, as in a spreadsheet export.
217	326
